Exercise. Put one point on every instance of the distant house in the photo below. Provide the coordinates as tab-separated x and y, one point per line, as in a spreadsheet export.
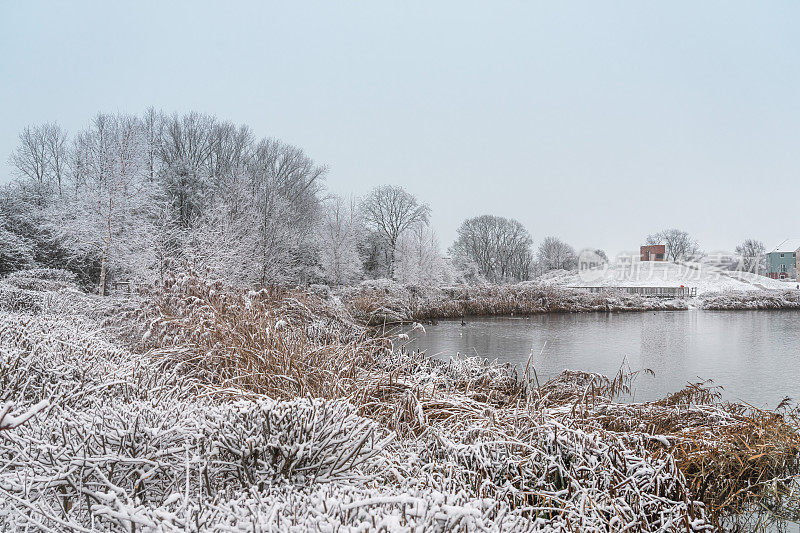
782	261
653	252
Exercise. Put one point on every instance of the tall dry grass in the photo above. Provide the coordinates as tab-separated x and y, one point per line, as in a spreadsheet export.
273	342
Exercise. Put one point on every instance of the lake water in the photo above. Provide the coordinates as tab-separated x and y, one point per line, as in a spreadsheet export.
753	355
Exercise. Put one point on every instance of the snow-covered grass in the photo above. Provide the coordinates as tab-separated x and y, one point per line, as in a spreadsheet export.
212	409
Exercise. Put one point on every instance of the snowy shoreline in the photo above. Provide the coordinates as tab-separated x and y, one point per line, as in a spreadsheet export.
383	302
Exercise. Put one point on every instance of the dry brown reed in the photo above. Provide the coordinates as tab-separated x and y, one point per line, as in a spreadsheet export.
269	342
734	457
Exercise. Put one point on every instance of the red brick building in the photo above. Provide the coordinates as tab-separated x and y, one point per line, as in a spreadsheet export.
654	252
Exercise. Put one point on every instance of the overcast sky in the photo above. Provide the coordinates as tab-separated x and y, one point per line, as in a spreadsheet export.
597	122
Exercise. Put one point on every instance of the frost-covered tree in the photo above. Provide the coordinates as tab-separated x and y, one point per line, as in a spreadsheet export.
680	245
223	246
373	252
286	186
340	237
389	211
555	254
16	250
499	247
106	215
752	256
153	131
185	150
133	196
29	240
419	259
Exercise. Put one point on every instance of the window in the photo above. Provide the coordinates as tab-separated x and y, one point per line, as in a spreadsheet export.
781	255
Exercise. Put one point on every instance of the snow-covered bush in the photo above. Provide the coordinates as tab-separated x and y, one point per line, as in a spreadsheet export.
142	452
43	357
16	299
49	274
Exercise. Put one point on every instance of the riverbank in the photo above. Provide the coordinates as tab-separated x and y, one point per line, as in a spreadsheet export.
378	302
383	301
198	407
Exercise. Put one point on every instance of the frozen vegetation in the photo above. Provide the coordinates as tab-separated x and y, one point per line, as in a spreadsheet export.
198	407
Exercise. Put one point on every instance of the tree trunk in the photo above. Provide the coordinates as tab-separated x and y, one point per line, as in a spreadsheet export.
392	246
106	245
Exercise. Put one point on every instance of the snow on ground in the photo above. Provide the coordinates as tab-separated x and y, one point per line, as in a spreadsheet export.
706	278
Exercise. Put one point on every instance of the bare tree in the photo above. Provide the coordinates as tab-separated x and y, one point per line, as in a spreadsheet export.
500	248
31	159
751	255
389	211
185	151
55	140
555	254
680	246
153	125
231	150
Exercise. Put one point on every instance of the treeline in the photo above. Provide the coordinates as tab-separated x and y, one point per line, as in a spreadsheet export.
130	197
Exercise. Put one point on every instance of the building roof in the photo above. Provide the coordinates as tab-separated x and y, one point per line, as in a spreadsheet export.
789	245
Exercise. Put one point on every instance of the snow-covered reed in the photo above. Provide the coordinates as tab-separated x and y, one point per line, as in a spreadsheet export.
268	342
736	300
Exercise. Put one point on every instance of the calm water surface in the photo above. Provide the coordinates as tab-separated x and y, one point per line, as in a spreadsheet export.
753	355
